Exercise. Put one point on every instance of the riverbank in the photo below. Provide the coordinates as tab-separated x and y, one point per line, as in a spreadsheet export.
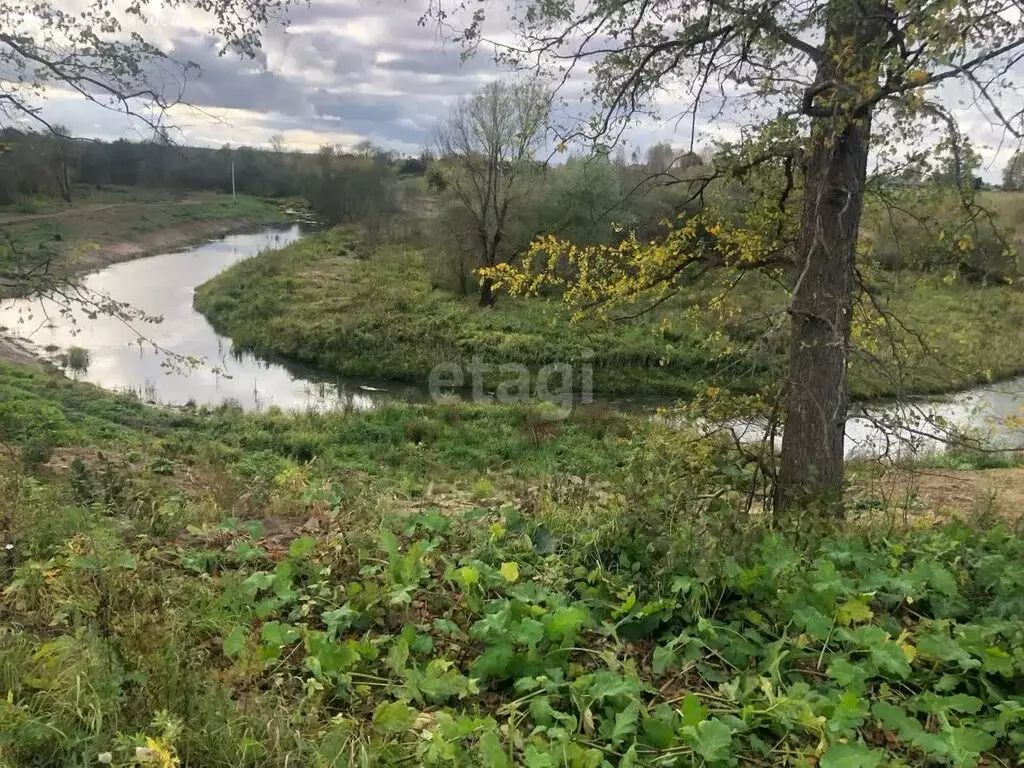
212	585
70	241
354	310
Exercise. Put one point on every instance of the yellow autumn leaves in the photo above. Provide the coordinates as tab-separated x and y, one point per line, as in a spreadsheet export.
606	275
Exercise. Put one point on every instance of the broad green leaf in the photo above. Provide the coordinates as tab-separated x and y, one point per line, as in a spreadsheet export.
302	547
534	758
467	576
542	713
714	738
124	560
86	562
604	684
681	585
398	656
855	611
496	661
889	658
658	733
389	543
814	622
851	756
491	753
942	580
339	619
625	723
276	634
327	657
944	648
528	632
892	717
967	744
663	658
447	626
438	683
998	661
393	717
848	714
565	623
960	702
234	642
693	711
848	674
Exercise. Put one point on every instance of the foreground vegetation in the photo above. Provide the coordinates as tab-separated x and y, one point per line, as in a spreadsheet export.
355	309
467	586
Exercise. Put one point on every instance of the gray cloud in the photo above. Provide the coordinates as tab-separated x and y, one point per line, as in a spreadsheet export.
345	70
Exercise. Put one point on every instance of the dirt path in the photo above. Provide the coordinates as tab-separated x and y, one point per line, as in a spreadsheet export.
929	495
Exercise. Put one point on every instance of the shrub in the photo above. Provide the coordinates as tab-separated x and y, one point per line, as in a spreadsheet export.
78	359
421	431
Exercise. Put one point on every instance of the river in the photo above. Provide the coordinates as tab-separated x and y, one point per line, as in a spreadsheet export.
147	358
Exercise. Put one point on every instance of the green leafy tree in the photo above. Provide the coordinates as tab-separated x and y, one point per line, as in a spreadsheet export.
1013	174
818	86
349	189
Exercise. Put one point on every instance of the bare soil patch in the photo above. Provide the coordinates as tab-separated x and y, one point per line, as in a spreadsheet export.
925	496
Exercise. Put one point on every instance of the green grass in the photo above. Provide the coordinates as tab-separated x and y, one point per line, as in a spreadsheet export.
79	237
444	586
962	334
322	302
417	444
332	301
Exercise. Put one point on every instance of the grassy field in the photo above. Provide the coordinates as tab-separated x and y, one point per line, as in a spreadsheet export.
334	302
465	586
107	226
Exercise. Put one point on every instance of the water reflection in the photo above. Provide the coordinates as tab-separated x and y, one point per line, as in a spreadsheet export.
988	417
151	357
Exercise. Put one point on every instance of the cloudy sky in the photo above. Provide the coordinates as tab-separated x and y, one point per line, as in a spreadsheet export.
344	71
341	72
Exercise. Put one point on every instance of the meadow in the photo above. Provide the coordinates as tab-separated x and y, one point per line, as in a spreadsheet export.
468	586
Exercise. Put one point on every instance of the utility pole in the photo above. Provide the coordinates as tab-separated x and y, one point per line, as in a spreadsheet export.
232	179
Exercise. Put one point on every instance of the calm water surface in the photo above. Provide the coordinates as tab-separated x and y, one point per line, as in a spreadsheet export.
164	285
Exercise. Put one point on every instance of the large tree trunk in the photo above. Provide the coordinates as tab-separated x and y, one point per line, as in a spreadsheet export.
812	443
811	471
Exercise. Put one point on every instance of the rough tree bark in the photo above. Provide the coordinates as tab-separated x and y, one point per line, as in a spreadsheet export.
812	447
835	171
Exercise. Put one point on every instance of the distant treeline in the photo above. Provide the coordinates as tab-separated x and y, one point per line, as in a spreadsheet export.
52	164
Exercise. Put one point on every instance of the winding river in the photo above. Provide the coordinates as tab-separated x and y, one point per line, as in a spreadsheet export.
147	357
